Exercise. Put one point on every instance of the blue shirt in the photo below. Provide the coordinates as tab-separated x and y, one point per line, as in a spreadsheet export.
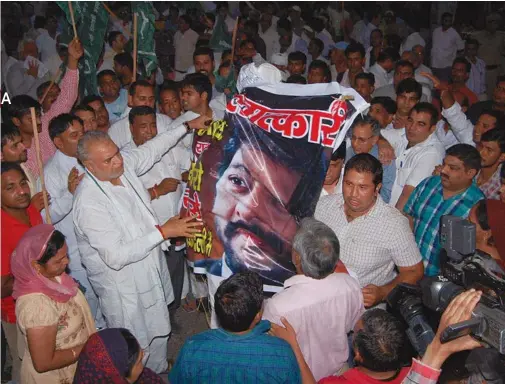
217	356
427	205
388	172
117	107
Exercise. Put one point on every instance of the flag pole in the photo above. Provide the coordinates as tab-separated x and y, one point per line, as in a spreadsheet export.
134	47
234	39
71	10
115	17
39	162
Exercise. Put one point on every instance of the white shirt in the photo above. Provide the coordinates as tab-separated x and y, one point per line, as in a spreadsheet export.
382	77
411	41
53	64
316	309
184	47
477	80
358	32
327	40
171	165
461	128
364	249
366	34
336	18
46	45
119	245
445	46
120	132
270	37
414	164
346	82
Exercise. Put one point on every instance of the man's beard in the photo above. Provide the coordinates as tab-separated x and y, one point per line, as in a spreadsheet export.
254	258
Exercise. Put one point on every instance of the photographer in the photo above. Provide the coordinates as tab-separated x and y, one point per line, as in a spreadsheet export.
425	371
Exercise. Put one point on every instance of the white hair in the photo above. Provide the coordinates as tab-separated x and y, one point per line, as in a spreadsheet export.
89	138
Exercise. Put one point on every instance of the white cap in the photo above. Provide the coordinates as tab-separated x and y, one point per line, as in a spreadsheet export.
296	8
279	59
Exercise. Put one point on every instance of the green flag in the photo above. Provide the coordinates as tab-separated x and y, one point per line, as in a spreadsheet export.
146	55
221	38
91	21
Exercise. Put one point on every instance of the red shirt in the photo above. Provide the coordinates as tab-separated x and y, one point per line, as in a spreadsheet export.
354	376
12	231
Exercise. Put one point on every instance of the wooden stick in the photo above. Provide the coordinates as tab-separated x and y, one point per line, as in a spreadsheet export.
134	47
50	86
39	162
71	10
128	34
234	40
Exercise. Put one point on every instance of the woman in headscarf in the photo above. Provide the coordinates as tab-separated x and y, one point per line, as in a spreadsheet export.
489	219
52	314
113	356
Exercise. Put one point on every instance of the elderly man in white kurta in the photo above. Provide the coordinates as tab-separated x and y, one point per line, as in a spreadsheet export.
62	174
119	237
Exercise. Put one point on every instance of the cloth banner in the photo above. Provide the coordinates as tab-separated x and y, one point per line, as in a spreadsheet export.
221	38
259	171
146	55
91	21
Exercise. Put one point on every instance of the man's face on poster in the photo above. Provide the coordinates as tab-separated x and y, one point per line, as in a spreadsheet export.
250	215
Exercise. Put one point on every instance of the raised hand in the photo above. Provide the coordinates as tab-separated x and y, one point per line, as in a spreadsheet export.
33	69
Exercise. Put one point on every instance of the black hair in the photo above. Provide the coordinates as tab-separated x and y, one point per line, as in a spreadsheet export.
61	123
393	41
252	25
427	108
42	88
112	37
410	85
446	14
364	162
143	110
199	82
9	132
495	134
238	300
295	155
472	42
387	103
388	54
500	79
319	64
377	30
138	83
20	106
170	85
82	107
54	244
481	213
465	62
381	341
204	50
211	16
404	63
125	60
297	56
355	47
187	19
340	153
92	98
296	79
319	43
12	166
105	72
133	350
469	155
221	4
243	43
492	113
39	22
366	76
284	23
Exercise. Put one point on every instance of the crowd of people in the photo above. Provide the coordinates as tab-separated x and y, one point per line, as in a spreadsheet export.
90	287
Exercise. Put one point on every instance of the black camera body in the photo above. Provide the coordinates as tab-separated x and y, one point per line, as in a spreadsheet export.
462	268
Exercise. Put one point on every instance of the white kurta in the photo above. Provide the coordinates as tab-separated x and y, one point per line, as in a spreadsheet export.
120	248
56	173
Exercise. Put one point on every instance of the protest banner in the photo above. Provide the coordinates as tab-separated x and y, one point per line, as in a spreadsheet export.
259	171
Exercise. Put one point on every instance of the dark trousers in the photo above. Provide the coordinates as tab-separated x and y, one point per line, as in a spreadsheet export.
176	262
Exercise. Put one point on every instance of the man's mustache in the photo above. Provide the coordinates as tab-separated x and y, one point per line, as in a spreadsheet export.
274	241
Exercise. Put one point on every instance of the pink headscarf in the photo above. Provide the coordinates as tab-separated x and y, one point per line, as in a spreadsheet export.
26	279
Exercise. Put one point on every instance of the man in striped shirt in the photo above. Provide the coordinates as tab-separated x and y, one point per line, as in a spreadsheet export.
451	193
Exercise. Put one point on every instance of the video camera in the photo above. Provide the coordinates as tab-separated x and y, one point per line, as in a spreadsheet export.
462	268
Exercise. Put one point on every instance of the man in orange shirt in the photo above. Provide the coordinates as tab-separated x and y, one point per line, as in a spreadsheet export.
459	76
18	216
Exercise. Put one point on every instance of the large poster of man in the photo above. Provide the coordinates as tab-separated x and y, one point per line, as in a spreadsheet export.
259	171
